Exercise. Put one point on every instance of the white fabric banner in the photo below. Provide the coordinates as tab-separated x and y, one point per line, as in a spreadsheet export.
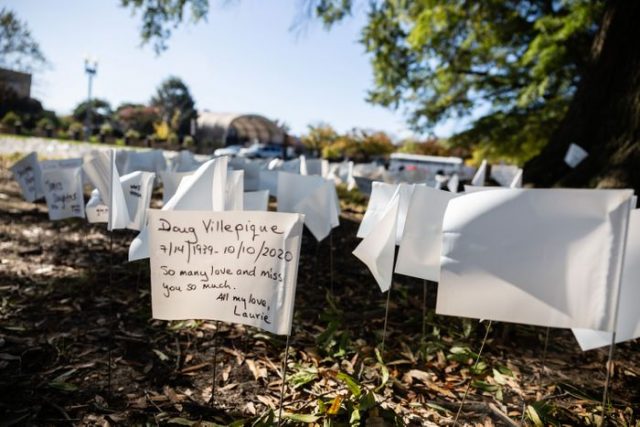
421	244
204	190
63	192
533	256
26	172
238	267
628	325
377	250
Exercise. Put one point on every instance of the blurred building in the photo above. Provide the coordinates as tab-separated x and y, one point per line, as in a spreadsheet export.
18	82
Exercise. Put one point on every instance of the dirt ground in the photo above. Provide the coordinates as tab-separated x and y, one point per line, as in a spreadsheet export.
78	346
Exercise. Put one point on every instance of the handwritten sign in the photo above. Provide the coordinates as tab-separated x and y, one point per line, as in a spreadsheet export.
27	172
63	192
238	267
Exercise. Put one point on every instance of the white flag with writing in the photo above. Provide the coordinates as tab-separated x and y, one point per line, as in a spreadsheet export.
63	192
27	172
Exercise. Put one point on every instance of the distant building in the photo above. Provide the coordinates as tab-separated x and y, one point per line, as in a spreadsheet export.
224	129
19	82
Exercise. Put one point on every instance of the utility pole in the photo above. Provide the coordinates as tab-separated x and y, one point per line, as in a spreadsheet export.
91	68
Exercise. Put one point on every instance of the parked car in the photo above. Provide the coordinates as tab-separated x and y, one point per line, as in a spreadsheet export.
262	151
231	151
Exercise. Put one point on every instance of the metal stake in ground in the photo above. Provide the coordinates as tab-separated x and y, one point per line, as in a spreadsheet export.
475	365
331	263
111	313
284	380
215	364
386	318
424	312
605	394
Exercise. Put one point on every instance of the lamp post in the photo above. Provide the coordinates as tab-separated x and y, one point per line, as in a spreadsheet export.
91	68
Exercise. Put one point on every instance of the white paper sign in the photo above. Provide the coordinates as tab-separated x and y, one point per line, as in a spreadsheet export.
534	256
238	267
421	244
575	155
63	192
27	172
628	312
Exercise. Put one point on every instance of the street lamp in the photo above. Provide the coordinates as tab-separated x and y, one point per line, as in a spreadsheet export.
91	68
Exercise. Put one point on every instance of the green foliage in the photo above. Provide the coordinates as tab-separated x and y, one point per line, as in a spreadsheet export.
18	49
106	129
359	145
175	105
137	117
188	142
11	120
132	134
158	17
318	137
100	112
517	61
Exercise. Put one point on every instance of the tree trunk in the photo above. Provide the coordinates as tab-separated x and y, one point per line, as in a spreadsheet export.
604	115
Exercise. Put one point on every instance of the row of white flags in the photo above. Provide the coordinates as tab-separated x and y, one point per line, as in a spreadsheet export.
564	258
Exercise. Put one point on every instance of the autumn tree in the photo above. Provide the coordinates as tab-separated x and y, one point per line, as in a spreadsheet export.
318	137
175	105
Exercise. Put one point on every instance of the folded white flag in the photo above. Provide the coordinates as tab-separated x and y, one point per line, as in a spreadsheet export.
145	161
453	183
236	267
351	180
251	172
479	177
575	155
517	180
377	250
303	166
533	256
101	169
234	199
170	183
314	196
256	200
504	174
96	210
137	187
27	172
204	190
317	167
420	247
63	192
628	324
381	195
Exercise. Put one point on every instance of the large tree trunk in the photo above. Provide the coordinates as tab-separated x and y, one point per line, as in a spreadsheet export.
604	116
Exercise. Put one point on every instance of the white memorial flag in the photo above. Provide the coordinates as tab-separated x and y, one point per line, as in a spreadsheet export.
628	324
481	173
313	196
303	166
63	192
144	161
377	250
27	172
504	174
421	244
256	200
251	172
238	267
575	155
541	257
170	183
137	188
381	195
101	169
96	210
204	190
517	180
234	192
453	183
